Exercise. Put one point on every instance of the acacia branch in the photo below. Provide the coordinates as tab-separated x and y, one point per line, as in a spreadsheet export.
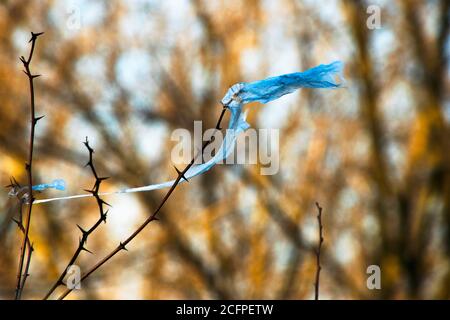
85	233
29	246
26	272
21	278
319	248
152	217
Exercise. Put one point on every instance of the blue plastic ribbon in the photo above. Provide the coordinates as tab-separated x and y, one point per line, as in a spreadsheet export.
327	76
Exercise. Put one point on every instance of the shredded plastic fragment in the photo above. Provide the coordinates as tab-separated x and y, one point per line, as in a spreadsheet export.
328	76
21	192
58	184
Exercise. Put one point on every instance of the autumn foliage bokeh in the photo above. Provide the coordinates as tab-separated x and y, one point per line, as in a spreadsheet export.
375	155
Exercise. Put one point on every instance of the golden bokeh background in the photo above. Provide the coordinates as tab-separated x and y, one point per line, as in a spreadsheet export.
375	155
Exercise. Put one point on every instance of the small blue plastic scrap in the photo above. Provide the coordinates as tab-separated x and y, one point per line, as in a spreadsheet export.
58	184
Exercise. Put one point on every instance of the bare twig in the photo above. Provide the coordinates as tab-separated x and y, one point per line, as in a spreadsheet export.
153	217
85	233
29	246
33	120
26	273
319	248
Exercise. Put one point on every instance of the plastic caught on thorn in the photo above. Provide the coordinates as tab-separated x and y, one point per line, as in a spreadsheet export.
327	76
58	184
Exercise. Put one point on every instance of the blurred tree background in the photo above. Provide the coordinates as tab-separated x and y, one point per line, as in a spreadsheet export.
375	155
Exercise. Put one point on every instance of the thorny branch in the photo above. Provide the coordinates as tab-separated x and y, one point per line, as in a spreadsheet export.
29	245
319	248
152	217
85	233
21	276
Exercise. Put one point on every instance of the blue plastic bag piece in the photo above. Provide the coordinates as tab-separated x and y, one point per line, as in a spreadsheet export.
322	76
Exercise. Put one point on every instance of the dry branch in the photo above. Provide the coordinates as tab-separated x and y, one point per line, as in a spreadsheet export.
85	233
152	217
25	261
318	250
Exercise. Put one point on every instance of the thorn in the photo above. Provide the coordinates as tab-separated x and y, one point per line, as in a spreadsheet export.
15	181
103	178
84	249
37	119
82	230
22	58
17	222
155	219
106	203
34	76
27	166
103	216
90	191
16	184
181	174
12	183
122	246
34	36
87	164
